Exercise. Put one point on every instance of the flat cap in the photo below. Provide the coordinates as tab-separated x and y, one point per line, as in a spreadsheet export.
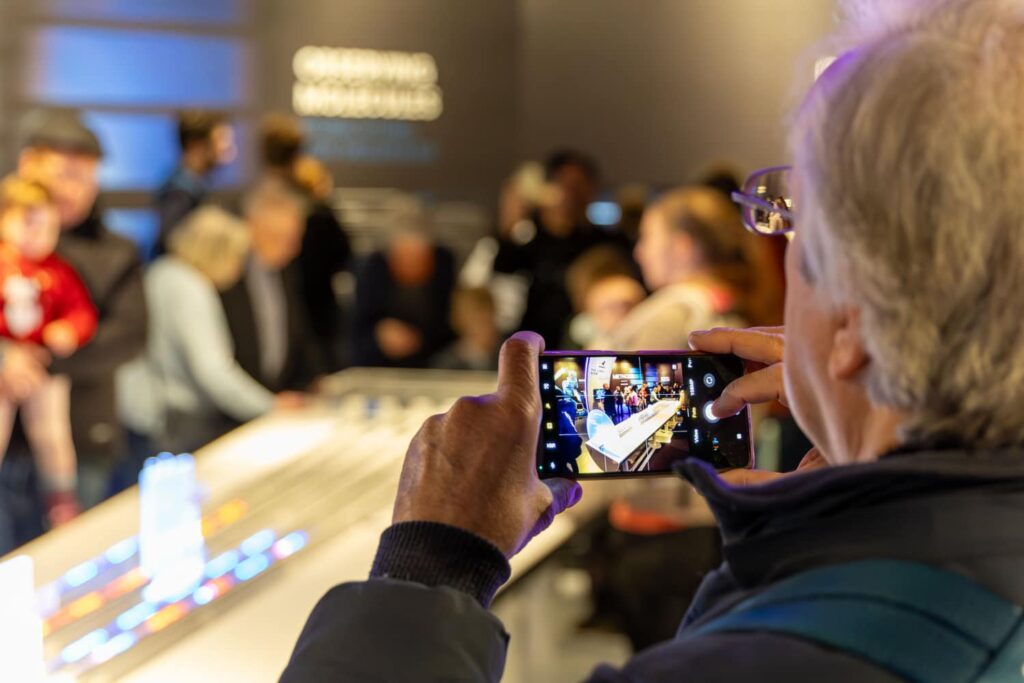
59	129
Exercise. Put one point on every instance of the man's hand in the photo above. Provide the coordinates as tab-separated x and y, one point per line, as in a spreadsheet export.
761	349
60	337
475	466
22	370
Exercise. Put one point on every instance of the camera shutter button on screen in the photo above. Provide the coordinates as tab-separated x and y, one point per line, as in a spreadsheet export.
708	415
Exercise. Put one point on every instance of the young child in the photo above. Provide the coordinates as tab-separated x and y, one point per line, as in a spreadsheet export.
44	303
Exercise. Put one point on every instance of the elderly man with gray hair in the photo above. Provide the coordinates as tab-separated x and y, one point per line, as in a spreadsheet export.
897	551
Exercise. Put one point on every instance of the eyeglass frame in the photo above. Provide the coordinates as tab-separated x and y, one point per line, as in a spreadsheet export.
747	200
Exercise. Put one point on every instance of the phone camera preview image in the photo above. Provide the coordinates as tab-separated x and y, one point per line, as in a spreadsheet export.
635	414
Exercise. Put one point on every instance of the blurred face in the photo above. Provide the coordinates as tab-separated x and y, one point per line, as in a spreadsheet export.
71	178
662	252
577	191
33	231
276	233
222	143
411	259
610	300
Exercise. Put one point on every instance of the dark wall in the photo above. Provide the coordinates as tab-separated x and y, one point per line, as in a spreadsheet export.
474	45
658	89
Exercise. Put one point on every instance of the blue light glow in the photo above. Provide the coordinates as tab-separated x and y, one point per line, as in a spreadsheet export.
120	552
83	573
178	11
204	595
604	213
83	646
139	150
85	65
222	564
251	567
258	542
135	616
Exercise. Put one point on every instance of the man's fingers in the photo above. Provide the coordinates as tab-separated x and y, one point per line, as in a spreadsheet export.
517	365
757	387
762	345
564	494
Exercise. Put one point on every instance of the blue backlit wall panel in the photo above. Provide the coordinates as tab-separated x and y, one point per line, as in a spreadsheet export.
87	66
141	150
209	12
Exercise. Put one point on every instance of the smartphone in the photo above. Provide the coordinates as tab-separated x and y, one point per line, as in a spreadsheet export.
608	414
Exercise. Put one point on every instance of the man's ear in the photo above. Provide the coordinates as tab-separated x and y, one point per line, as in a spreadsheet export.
848	355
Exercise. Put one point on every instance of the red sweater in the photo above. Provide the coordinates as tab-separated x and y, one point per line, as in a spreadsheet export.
35	294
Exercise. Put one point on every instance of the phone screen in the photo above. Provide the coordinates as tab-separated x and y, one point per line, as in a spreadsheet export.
632	414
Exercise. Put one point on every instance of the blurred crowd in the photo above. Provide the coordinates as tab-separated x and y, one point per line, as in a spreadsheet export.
110	355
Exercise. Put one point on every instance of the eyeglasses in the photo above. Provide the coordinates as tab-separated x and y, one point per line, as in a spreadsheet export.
766	201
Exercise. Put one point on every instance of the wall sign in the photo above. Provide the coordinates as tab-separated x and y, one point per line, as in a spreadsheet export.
365	84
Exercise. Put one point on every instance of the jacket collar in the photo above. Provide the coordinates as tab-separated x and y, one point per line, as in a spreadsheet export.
918	505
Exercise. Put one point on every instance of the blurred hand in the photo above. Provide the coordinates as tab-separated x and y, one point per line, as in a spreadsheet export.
396	339
475	466
761	349
290	400
60	337
23	369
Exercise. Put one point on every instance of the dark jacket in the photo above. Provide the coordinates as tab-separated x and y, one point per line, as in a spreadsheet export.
302	363
109	266
955	510
425	308
183	192
325	253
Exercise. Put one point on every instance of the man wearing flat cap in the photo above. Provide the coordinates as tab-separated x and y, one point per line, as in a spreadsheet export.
61	153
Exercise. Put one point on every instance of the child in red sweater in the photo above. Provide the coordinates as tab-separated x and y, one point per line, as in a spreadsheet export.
42	303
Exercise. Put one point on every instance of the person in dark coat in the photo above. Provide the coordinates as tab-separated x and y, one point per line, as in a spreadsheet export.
403	299
264	309
325	253
61	153
207	142
900	360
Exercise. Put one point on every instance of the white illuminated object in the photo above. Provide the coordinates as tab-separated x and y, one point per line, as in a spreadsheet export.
365	84
611	445
172	553
21	629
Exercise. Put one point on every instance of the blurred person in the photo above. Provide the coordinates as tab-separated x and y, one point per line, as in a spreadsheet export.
620	289
207	142
562	232
403	302
62	154
476	346
325	253
264	309
608	302
692	253
894	553
282	141
46	305
189	389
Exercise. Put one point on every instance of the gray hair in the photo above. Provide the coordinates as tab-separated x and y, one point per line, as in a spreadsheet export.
909	158
212	241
